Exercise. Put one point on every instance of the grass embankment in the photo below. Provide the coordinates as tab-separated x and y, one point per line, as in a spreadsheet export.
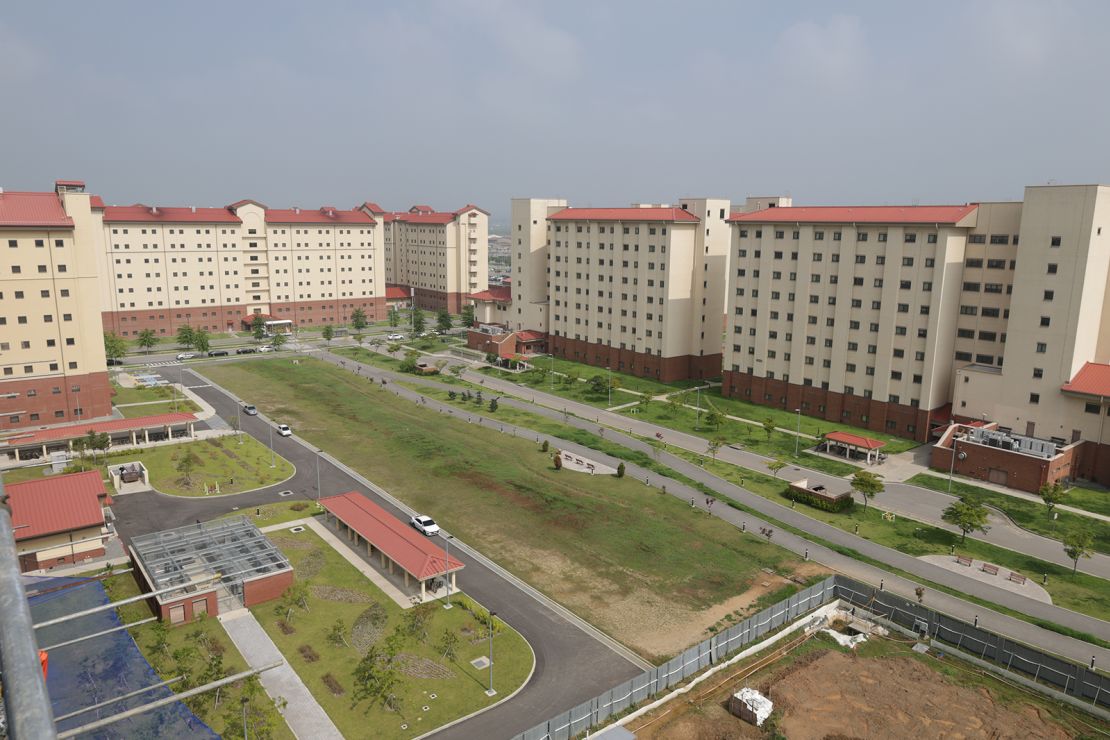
1089	496
141	395
277	513
181	406
337	591
1079	592
555	529
202	652
1031	515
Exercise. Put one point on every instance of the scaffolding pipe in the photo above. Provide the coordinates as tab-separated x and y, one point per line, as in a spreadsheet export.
100	634
128	600
26	703
128	695
164	701
84	582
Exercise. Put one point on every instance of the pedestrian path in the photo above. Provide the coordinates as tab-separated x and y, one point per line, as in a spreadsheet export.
304	715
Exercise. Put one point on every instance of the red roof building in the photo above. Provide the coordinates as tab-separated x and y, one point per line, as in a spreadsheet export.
38	210
675	215
322	215
497	294
114	426
140	213
1093	379
858	214
58	520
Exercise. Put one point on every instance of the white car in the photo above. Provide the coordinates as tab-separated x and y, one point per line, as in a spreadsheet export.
267	348
425	525
395	337
186	356
284	430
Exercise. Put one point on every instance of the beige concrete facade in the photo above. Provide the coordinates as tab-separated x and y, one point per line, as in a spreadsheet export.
531	282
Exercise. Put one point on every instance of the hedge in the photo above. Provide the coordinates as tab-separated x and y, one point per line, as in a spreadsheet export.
818	502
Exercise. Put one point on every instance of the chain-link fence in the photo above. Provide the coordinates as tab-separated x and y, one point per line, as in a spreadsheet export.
1070	678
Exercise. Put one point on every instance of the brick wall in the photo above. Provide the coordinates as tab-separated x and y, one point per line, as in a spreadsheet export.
1023	472
664	369
187	602
94	398
266	588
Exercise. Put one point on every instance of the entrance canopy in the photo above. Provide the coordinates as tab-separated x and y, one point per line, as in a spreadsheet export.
854	444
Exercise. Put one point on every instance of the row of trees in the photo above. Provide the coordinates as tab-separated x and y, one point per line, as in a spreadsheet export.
419	321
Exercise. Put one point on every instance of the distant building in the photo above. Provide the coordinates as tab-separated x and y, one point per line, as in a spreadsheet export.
58	520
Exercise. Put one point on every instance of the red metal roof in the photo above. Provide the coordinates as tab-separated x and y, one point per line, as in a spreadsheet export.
95	201
32	209
70	183
623	214
73	431
440	219
422	209
324	215
1093	379
372	207
858	214
139	213
397	292
401	543
529	335
59	503
470	207
855	440
493	293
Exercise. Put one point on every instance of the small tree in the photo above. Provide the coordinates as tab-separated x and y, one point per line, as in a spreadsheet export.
185	336
392	347
492	405
329	333
558	460
714	418
337	634
146	340
491	358
967	514
408	365
394	316
1077	545
1052	494
359	339
715	446
358	319
376	678
769	427
278	341
776	465
114	346
448	645
620	470
457	370
467	317
443	320
187	464
867	484
418	321
544	447
202	341
258	327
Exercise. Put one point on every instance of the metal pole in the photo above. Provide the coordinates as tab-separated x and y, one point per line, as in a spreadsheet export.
99	634
271	445
798	436
318	477
447	567
119	698
551	385
244	701
490	691
25	700
239	421
609	382
952	462
697	419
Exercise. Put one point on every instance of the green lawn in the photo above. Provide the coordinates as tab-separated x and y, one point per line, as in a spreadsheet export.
1090	497
751	438
789	420
1079	592
579	370
435	343
370	357
141	395
182	405
554	529
277	513
337	591
1027	514
189	650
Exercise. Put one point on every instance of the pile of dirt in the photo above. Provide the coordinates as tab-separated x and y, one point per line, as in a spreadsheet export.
841	694
340	594
418	667
368	628
285	627
333	685
309	655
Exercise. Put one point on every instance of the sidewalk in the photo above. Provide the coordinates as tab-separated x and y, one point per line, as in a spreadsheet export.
304	715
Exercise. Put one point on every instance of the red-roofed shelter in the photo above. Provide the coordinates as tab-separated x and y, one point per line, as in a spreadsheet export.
128	431
854	444
58	520
396	543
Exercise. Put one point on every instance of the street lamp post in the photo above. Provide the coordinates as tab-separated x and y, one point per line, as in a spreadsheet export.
318	476
446	568
697	418
609	383
798	436
952	463
239	421
490	691
271	445
551	384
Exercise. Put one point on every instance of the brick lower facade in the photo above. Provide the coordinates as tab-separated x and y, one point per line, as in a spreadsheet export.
52	400
664	369
433	300
1006	468
266	588
32	561
338	311
868	413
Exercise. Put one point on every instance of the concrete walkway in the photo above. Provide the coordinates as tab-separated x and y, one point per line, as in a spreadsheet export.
1001	579
304	715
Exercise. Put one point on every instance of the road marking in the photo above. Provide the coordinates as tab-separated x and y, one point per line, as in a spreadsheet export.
193	387
163	364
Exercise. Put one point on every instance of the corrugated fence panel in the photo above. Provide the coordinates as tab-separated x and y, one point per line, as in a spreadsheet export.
581	718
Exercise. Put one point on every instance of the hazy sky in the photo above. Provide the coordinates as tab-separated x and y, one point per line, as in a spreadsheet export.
603	103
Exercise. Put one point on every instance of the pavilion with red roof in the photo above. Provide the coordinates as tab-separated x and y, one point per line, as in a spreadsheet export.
854	444
396	543
59	519
120	431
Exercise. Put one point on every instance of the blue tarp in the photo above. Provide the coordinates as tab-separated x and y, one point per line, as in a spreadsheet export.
104	667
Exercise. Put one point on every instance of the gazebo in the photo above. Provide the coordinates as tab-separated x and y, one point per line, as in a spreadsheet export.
854	444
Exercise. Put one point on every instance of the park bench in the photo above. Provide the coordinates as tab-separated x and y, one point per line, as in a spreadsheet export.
991	570
1017	578
963	560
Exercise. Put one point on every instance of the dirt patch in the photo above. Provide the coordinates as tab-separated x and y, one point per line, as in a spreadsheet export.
288	542
309	655
342	595
285	627
841	694
311	564
418	667
333	686
368	628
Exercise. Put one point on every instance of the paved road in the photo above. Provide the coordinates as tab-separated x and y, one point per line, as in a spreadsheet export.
1010	626
571	664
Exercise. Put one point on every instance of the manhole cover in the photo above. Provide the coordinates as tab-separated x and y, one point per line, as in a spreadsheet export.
425	708
433	696
283	494
480	663
296	530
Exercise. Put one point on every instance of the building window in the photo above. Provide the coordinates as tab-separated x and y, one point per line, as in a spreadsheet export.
1055	241
1038	372
1091	408
1034	398
1041	348
1045	321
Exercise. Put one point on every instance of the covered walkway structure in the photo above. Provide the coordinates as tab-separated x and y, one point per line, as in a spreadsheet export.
854	445
145	429
396	543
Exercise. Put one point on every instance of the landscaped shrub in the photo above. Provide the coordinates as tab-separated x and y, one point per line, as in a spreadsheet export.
817	502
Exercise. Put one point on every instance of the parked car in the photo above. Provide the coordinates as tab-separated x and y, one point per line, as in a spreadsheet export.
218	353
267	348
245	351
185	356
395	337
249	409
114	361
425	525
284	430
